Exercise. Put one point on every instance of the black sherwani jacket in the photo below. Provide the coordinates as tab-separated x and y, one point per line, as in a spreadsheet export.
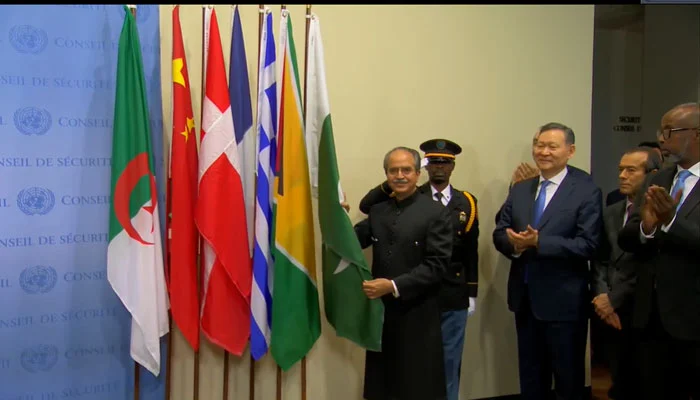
411	244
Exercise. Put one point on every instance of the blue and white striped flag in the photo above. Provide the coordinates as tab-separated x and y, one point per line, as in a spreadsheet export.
261	293
242	113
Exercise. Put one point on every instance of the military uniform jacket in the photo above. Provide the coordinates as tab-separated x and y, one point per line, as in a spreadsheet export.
461	278
411	244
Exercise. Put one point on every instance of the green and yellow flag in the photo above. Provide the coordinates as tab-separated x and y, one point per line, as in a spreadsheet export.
296	324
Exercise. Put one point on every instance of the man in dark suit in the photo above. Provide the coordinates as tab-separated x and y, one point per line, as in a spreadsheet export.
525	171
550	227
615	276
665	230
616	195
458	291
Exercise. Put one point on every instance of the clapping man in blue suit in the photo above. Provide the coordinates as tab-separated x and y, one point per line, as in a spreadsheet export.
550	227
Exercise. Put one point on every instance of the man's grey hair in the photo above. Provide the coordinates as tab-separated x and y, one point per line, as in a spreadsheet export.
413	152
653	160
569	136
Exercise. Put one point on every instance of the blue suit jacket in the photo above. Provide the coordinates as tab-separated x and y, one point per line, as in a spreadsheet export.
570	232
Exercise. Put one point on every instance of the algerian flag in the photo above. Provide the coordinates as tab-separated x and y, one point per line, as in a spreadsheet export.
134	254
348	309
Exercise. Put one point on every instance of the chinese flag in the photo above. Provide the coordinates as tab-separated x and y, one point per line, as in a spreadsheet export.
182	192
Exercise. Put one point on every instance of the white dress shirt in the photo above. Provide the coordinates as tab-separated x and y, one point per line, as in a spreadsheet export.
446	194
551	189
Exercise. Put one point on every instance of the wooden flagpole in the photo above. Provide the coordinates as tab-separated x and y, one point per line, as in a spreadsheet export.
132	8
306	61
279	370
261	21
201	109
168	370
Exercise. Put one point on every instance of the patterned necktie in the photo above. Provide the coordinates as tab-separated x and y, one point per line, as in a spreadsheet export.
539	203
628	213
439	195
680	186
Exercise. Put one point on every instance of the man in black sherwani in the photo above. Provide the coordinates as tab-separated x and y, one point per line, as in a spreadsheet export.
411	239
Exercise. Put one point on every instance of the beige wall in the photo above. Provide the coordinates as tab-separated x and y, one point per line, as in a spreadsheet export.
484	76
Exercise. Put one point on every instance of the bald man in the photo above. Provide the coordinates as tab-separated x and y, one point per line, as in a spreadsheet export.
664	232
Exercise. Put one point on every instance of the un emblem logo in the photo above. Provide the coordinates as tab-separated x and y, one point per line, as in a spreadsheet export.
35	200
28	39
38	279
41	357
32	121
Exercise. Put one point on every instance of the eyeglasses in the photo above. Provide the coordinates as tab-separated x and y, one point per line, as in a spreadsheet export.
404	170
666	132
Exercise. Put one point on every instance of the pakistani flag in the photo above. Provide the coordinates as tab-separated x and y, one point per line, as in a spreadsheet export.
348	309
134	254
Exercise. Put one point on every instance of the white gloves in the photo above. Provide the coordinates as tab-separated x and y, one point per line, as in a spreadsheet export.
472	306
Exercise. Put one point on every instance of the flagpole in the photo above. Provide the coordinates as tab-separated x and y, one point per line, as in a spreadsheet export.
225	375
226	358
170	324
279	370
261	21
306	60
168	200
204	70
137	380
199	244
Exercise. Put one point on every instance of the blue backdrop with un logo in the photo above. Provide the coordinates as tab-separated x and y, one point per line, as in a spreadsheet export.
64	334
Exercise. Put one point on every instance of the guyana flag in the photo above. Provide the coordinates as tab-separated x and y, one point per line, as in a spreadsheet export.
296	322
135	255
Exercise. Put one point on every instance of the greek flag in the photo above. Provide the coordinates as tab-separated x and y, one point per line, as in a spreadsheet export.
261	297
